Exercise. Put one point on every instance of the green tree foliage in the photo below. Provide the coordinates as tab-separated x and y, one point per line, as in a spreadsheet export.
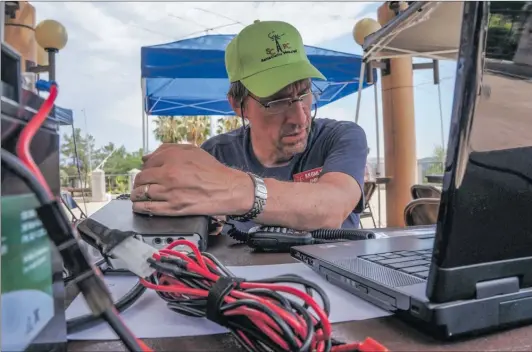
191	129
436	168
227	124
82	145
119	162
179	129
506	24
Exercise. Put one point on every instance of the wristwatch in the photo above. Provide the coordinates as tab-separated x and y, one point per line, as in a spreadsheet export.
261	195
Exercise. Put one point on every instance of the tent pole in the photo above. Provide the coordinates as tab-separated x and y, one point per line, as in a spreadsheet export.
441	126
378	173
360	86
147	133
144	150
143	134
142	85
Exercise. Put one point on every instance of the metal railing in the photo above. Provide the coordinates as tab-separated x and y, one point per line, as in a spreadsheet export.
114	184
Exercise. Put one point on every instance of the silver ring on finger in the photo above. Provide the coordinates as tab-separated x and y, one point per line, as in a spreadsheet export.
146	195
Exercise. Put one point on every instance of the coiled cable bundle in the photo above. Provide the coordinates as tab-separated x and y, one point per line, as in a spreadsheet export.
263	315
319	235
342	234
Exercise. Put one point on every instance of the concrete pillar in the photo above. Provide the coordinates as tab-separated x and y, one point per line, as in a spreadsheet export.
76	183
132	174
98	186
399	130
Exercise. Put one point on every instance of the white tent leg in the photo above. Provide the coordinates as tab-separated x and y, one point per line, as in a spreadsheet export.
378	151
143	134
147	133
143	91
144	150
360	86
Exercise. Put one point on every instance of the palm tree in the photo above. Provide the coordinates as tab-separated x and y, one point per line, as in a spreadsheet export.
198	129
168	129
229	123
179	129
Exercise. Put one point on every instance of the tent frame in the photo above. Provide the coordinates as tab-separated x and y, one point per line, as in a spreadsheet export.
375	44
158	79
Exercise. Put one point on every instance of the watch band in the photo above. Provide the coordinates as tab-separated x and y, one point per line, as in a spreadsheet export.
261	195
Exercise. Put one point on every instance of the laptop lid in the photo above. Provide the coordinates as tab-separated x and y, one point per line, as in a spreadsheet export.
484	230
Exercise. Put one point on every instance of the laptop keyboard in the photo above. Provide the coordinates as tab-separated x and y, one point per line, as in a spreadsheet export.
416	263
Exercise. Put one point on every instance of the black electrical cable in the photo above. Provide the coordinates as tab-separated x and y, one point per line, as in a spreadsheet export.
320	235
13	164
76	155
175	269
236	234
85	322
70	278
113	319
342	234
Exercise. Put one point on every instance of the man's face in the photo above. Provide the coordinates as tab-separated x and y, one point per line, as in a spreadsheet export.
282	120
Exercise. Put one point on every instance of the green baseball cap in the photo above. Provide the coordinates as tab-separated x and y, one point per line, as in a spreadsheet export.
267	56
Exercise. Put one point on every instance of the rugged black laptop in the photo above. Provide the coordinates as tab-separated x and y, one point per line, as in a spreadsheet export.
475	273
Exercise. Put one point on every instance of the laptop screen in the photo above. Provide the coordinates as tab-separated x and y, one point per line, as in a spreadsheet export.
485	214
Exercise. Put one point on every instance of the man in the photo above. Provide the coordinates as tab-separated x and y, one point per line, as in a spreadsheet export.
247	174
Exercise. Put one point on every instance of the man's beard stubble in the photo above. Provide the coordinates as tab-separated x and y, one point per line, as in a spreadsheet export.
288	151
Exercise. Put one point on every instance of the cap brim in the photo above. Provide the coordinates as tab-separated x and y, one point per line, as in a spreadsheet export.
269	82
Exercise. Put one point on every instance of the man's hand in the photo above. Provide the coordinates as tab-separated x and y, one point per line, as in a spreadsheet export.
181	179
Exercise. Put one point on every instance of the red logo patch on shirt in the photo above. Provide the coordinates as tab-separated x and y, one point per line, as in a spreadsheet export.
310	176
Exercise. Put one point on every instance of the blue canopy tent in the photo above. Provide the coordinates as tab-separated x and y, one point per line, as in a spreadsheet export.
65	117
188	77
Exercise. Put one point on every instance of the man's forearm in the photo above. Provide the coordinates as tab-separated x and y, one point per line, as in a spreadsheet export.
298	205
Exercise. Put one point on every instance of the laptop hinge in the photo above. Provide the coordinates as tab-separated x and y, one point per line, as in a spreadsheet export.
497	287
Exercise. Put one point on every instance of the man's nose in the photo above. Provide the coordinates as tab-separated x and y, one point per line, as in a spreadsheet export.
297	114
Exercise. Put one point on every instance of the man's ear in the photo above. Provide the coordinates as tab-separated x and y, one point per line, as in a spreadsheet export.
235	105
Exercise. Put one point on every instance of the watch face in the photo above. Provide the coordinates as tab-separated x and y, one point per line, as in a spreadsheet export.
262	189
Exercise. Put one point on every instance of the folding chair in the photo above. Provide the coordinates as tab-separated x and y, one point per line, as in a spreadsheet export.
369	190
422	211
425	191
70	204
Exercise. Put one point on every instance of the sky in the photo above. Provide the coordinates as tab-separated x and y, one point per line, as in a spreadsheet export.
99	69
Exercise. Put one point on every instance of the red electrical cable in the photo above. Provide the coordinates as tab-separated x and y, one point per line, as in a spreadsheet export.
204	267
27	134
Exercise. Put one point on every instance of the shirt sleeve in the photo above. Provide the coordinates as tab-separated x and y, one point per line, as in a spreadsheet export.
347	151
210	147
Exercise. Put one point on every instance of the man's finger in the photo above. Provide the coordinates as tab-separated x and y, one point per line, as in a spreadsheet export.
157	159
149	176
154	208
217	231
161	148
146	157
156	192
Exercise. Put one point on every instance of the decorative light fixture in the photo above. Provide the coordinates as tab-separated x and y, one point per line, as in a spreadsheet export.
363	28
52	37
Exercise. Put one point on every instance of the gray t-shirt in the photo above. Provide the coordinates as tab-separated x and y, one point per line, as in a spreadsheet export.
334	146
